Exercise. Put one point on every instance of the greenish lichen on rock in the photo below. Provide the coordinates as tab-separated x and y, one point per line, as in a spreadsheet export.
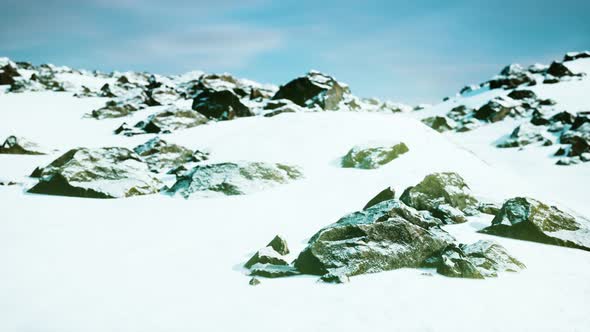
372	156
161	155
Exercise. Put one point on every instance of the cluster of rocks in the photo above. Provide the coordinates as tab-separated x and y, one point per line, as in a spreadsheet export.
391	233
372	156
271	261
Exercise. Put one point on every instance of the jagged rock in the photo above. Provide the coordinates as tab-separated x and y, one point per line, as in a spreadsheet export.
564	117
254	281
557	69
106	91
482	259
113	109
522	94
445	195
314	89
7	74
528	219
97	173
571	56
497	109
439	123
384	195
539	119
512	77
19	145
266	255
526	134
220	105
579	121
161	155
372	156
164	122
233	178
279	244
163	95
387	236
273	271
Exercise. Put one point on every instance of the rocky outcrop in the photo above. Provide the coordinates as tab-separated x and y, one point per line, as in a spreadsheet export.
571	56
479	260
20	145
440	123
384	195
162	156
511	77
270	261
387	236
237	178
7	74
445	195
497	109
526	134
371	156
528	219
97	173
220	105
522	94
314	89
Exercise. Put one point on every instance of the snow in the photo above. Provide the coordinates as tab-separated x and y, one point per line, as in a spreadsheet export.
161	263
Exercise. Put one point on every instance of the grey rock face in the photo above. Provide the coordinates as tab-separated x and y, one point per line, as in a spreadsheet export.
164	122
372	156
233	178
528	219
445	195
97	173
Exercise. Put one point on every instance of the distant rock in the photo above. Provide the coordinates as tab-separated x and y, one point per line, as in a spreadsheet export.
497	109
522	94
237	178
113	109
482	259
254	281
384	195
164	122
220	105
439	123
20	145
571	56
387	236
512	77
526	134
7	74
558	69
97	173
276	107
445	195
161	155
528	219
373	155
314	89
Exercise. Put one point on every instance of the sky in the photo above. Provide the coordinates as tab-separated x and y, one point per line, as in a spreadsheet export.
407	51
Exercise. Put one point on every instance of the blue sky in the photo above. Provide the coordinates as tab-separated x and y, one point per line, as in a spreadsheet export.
409	51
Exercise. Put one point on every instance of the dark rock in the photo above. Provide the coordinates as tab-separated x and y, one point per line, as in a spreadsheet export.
538	119
528	219
576	55
522	94
564	117
445	195
314	89
254	281
220	105
266	255
105	91
273	271
384	195
580	120
279	244
97	173
161	155
550	80
113	109
372	156
233	178
511	77
496	110
557	69
439	123
7	75
19	145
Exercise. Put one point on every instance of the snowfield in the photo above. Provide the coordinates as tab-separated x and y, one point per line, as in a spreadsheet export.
161	263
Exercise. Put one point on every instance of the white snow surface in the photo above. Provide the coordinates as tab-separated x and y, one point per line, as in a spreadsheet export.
160	263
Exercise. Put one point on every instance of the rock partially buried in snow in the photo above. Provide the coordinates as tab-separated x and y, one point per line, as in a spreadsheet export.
314	89
97	173
164	122
445	195
439	123
528	219
161	155
220	105
526	134
482	259
236	178
20	145
387	236
372	155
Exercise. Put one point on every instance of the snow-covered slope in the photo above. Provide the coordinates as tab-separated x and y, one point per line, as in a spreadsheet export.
162	263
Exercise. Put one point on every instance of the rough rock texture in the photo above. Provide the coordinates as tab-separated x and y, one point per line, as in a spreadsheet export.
273	271
220	105
526	134
445	195
233	178
113	109
254	281
557	69
384	195
387	236
266	255
161	155
165	122
528	219
97	173
482	259
279	244
372	156
19	145
439	123
497	109
511	77
314	89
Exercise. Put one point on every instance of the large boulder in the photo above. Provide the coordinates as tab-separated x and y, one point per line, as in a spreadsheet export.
558	69
528	219
111	172
387	236
220	105
7	74
445	195
371	156
526	134
233	178
522	94
161	155
482	259
497	109
314	89
20	145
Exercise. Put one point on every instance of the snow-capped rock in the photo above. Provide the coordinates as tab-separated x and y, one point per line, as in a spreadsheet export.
163	156
20	145
373	155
